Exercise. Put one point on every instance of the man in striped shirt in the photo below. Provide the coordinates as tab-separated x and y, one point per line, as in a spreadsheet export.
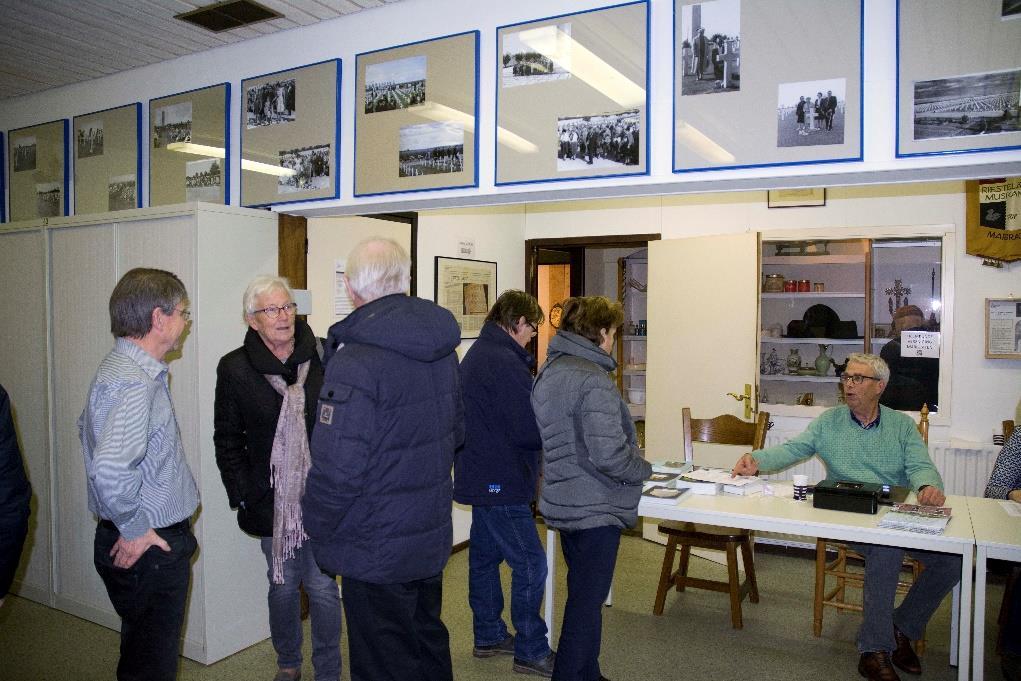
139	484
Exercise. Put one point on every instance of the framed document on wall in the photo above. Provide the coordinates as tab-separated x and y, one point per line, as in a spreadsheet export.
762	83
38	171
189	143
107	148
290	134
572	96
416	114
467	288
958	77
1003	328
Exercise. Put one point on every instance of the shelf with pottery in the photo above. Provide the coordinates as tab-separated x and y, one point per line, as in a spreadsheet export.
815	341
813	294
801	378
832	259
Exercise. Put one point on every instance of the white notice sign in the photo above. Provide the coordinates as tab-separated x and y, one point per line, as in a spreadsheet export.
466	248
919	344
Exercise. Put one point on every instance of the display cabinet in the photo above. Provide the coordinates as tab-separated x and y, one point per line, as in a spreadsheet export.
632	339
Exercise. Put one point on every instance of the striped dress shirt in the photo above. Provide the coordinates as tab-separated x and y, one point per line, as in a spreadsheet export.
136	472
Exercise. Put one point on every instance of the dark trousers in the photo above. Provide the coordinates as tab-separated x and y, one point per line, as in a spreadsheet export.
394	631
150	598
590	556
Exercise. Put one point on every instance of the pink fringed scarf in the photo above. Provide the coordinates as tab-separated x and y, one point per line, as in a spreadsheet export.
288	468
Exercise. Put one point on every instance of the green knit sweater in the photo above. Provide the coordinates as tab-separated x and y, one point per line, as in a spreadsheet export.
891	453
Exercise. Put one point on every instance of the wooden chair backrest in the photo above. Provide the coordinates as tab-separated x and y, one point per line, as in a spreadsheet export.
724	430
923	423
1008	429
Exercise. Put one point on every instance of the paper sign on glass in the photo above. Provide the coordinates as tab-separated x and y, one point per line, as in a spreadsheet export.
919	344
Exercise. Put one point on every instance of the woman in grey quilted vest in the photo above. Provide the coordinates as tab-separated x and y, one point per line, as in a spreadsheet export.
593	472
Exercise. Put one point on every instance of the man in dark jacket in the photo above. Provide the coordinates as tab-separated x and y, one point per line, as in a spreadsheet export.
15	494
496	473
378	499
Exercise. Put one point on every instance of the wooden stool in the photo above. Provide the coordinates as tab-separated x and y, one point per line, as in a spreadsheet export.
688	535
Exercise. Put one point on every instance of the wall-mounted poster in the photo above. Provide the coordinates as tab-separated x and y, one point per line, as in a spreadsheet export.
1003	328
468	289
958	77
107	149
38	171
751	90
416	108
189	143
572	96
290	134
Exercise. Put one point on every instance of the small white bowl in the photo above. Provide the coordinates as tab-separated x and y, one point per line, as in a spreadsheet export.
636	396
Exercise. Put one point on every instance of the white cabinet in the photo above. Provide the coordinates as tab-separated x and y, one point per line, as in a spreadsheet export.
64	332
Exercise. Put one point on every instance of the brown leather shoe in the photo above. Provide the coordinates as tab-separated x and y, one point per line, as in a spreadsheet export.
877	667
904	657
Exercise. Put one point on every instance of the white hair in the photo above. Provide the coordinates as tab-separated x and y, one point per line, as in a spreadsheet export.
261	285
878	365
378	267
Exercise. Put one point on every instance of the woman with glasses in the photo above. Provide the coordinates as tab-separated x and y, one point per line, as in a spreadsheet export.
266	392
593	471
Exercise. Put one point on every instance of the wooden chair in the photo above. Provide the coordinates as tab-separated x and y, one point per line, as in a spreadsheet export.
728	430
838	568
1008	429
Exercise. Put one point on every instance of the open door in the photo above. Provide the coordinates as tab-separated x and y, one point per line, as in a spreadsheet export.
703	296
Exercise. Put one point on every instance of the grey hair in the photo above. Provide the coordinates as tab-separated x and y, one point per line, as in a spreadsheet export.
378	267
261	285
875	362
139	292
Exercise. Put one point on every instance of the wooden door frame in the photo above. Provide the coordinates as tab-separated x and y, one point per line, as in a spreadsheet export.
532	247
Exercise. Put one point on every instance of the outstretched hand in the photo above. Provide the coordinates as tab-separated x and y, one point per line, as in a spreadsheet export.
746	465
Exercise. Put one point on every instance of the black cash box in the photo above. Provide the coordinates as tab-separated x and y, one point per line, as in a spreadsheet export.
843	495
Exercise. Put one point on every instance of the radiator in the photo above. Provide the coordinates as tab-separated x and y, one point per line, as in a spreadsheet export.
965	467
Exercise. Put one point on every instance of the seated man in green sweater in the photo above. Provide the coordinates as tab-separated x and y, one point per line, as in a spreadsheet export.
865	442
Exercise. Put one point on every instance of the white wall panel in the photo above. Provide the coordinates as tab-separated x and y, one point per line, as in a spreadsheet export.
23	375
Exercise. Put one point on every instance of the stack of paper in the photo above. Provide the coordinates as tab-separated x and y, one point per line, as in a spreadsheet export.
704	480
743	484
666	496
914	518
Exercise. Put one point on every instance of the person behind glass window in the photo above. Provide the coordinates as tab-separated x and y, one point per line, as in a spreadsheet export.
496	472
264	411
593	470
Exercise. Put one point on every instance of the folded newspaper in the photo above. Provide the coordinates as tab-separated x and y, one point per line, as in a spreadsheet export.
915	518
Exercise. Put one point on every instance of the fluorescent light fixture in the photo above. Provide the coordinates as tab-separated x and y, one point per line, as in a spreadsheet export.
218	152
706	148
563	49
442	113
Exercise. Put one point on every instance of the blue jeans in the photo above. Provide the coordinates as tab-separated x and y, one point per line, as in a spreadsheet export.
591	556
507	533
285	613
882	569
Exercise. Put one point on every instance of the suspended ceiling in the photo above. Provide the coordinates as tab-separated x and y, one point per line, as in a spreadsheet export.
50	43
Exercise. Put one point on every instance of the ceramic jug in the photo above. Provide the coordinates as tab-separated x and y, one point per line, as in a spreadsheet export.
822	362
793	361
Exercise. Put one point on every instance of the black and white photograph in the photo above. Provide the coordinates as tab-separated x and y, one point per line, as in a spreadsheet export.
172	124
311	166
24	154
711	47
202	180
121	192
270	104
396	84
90	139
977	104
537	55
607	140
811	113
431	149
48	199
1011	9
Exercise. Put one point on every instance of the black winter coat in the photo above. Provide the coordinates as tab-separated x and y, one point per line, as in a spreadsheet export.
245	420
15	494
378	499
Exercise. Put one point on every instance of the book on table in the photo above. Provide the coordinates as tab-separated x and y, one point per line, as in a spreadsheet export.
659	494
719	481
915	518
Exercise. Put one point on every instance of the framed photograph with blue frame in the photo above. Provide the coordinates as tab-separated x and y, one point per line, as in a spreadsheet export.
958	77
37	160
416	116
572	95
753	90
290	135
107	150
189	152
